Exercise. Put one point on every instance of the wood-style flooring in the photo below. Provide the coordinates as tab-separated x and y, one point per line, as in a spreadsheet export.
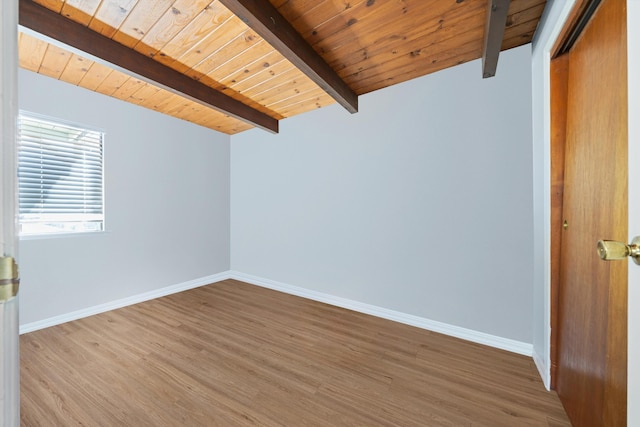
233	354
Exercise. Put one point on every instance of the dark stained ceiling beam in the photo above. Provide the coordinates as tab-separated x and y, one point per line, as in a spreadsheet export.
264	19
57	27
493	33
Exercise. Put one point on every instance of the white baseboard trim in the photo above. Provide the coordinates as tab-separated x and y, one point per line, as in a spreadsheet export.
135	299
409	319
543	370
397	316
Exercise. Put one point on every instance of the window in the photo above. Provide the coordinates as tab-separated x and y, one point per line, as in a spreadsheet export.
59	176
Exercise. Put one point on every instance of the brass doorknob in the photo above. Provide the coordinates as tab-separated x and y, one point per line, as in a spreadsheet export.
610	250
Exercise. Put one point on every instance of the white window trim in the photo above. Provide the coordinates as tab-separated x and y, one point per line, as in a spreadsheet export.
68	233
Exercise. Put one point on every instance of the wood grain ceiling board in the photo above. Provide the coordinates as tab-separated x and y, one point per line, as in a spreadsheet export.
204	41
371	44
375	43
522	22
52	61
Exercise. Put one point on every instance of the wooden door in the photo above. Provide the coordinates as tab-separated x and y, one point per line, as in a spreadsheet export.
633	333
591	375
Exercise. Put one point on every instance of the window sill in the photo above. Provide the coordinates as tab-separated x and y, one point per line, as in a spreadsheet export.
62	235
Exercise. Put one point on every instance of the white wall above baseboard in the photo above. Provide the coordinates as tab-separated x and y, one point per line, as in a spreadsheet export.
408	319
135	299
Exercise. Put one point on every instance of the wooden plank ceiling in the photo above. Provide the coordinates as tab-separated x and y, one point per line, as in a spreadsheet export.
370	44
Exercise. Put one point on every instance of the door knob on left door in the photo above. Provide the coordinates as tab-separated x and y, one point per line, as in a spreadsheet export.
610	250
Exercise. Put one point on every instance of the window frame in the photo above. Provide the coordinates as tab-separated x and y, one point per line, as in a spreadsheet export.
68	227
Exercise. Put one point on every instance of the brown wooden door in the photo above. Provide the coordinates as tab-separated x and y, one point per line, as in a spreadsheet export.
592	302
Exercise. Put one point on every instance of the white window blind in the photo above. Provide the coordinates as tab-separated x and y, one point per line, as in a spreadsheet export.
60	176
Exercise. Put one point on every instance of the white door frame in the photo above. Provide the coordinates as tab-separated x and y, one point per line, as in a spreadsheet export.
553	19
9	338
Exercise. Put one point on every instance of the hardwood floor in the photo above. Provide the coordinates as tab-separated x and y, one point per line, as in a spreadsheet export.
232	354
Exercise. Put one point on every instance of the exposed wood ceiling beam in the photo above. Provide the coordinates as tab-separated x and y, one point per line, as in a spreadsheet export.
57	27
265	20
493	33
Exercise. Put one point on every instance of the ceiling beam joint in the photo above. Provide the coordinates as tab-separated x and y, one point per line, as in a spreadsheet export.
264	19
497	11
55	26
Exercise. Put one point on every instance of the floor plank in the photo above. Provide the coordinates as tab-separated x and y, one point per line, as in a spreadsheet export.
233	354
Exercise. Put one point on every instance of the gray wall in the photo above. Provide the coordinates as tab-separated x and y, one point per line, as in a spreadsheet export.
167	206
420	203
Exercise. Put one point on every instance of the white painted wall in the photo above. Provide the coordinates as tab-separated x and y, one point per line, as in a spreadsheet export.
420	203
167	206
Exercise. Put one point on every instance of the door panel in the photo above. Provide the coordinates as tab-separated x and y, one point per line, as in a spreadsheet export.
633	333
9	340
559	72
592	301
